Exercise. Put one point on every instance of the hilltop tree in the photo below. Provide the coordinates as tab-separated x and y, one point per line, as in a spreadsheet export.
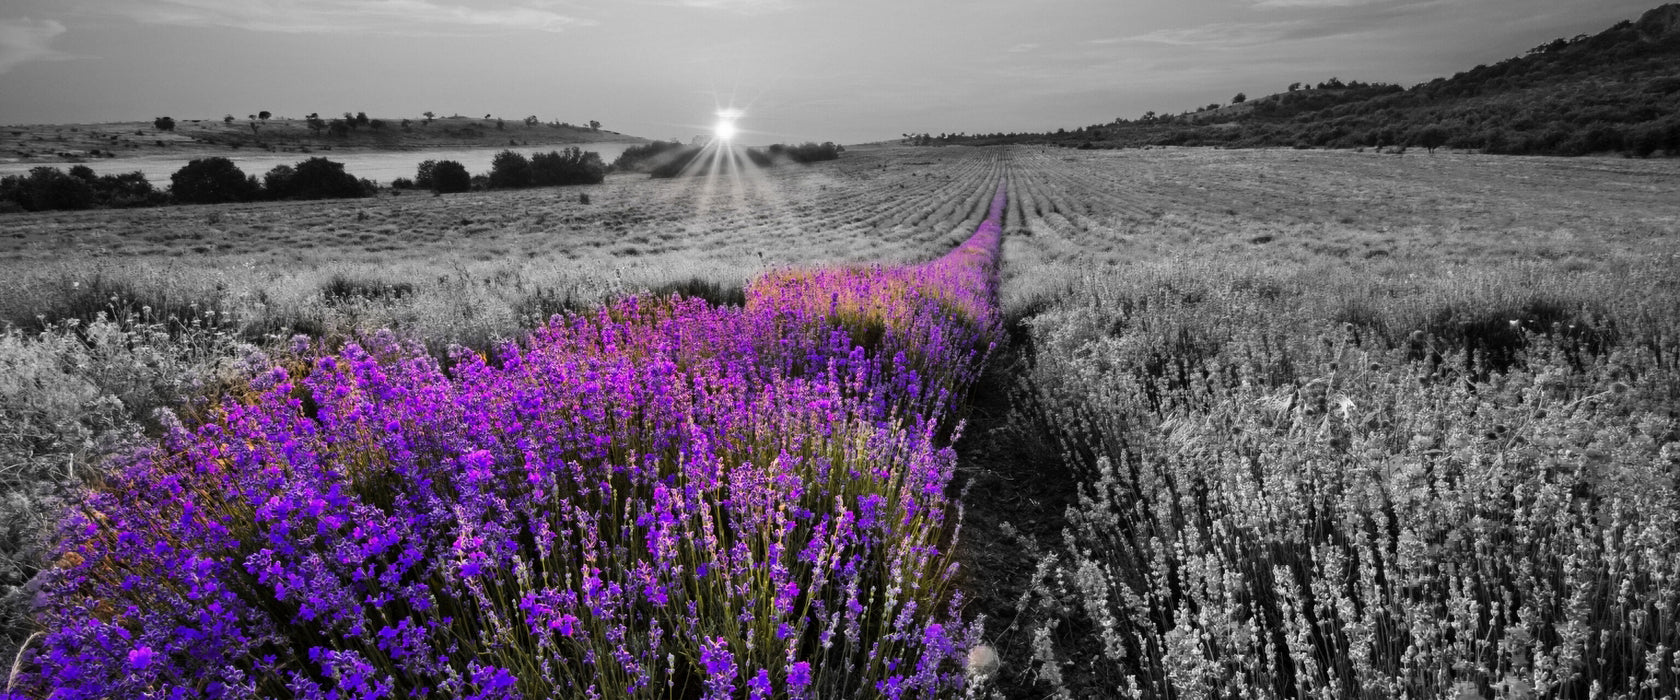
361	119
429	116
594	125
264	115
1239	99
164	124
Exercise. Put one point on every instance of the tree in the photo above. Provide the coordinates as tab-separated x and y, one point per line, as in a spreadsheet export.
227	119
424	173
211	181
264	115
315	122
1294	86
1430	137
572	166
429	116
449	176
163	124
361	119
48	188
339	128
594	125
510	170
1239	99
316	178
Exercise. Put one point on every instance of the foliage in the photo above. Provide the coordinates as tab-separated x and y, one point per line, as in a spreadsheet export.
1614	92
163	124
1306	483
446	176
807	152
315	178
572	166
645	157
662	497
47	188
510	170
212	180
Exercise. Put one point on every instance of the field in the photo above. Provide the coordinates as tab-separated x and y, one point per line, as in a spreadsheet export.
1261	422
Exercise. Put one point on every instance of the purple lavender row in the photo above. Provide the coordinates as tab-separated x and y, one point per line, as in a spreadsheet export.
662	499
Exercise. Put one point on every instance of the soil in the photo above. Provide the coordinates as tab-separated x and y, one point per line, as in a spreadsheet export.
1018	490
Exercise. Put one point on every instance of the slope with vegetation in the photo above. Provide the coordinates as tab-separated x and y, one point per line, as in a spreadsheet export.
1614	92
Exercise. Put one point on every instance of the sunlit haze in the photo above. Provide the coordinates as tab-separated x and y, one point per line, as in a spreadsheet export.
851	71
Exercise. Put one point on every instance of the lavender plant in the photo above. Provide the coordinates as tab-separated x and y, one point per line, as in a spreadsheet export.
660	499
1276	504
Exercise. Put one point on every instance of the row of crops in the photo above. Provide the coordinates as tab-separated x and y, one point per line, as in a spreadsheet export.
663	498
1308	476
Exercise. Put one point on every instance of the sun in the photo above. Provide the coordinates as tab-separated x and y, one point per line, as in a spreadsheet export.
725	130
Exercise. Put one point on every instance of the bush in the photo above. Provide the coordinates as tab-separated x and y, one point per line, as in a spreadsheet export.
646	157
510	170
448	176
423	174
126	190
808	152
163	124
316	178
572	166
47	189
212	180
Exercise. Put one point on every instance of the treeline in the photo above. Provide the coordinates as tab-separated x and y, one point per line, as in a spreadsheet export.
1614	92
510	170
212	180
664	159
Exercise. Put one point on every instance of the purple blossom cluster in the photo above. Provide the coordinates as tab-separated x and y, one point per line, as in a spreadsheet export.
660	499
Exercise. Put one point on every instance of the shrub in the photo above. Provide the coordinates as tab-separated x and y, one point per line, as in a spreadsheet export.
449	176
316	178
124	190
572	166
646	157
163	124
510	170
212	180
47	189
808	152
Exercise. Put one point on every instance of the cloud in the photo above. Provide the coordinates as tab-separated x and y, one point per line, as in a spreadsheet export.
1022	48
24	40
391	17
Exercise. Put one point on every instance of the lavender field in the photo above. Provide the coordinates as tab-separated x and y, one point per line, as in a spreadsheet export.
958	422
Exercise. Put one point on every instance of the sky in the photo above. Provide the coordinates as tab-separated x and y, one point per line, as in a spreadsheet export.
849	71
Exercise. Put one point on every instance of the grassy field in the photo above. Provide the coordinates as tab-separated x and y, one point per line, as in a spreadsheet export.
1285	421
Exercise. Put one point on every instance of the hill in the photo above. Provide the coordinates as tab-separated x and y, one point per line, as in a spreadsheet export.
1617	91
59	142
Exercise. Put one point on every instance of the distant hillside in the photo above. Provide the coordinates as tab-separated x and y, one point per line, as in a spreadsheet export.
192	137
1616	92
